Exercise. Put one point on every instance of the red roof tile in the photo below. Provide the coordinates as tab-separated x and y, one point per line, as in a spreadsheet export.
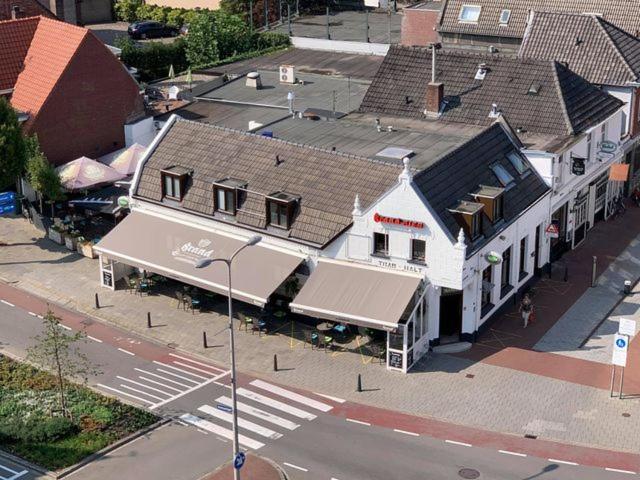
15	39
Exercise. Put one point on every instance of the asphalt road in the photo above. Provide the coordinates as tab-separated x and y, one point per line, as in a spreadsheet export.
302	431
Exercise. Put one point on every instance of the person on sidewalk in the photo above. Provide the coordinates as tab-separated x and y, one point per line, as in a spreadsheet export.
526	307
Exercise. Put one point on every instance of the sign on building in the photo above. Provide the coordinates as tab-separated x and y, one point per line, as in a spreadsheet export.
620	347
578	166
553	231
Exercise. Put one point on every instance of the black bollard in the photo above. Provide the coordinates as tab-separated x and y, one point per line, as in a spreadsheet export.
148	319
97	302
566	273
359	383
204	339
275	362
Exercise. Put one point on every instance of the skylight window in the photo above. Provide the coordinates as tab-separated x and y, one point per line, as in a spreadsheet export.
505	15
534	89
469	13
517	162
502	175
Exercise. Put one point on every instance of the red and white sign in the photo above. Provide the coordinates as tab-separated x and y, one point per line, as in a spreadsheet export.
553	231
397	221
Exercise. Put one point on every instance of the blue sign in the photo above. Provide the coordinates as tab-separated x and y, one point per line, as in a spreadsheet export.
4	209
621	343
224	408
238	461
7	197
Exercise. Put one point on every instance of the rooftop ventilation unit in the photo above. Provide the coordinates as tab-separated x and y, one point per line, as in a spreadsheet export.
287	74
482	71
397	153
495	112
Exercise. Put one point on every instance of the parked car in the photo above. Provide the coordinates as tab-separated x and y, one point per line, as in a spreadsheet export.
151	29
184	29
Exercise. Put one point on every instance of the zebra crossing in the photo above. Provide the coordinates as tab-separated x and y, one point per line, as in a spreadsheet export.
7	473
162	382
265	412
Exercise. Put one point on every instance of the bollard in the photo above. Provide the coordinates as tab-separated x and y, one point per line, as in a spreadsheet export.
148	319
593	271
359	383
627	287
566	273
97	302
204	339
275	362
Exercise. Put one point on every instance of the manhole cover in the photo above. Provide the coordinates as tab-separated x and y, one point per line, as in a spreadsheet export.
469	473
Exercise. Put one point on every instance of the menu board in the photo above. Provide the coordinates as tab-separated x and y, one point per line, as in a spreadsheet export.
395	359
107	278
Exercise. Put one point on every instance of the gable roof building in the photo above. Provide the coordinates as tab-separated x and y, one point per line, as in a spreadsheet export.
76	94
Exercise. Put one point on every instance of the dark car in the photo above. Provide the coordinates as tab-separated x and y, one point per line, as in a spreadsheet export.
151	29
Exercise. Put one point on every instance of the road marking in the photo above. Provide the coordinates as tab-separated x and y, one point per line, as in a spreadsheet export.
7	303
562	461
256	412
159	383
65	327
178	376
182	423
40	317
141	391
186	392
127	352
323	407
145	386
202	431
180	370
507	452
163	378
335	399
196	362
406	432
358	422
201	370
617	470
94	339
8	469
223	432
227	417
123	393
15	475
462	444
296	412
302	469
32	314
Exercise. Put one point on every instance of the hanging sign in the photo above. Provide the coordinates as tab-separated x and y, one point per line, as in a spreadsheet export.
620	347
553	231
397	221
578	166
608	147
494	258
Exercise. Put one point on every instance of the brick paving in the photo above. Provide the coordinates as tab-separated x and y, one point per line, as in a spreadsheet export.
255	468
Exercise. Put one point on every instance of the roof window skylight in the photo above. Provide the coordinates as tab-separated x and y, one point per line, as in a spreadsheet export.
505	15
502	175
517	162
469	13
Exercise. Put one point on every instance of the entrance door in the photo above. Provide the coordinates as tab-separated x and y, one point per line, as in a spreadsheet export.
450	315
536	252
601	197
580	221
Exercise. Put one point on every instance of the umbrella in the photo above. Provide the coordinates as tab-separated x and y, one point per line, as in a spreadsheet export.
126	160
172	74
84	173
189	78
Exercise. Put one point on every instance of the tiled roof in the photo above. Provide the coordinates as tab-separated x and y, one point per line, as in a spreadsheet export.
625	14
565	103
15	39
26	8
327	182
52	48
592	47
458	174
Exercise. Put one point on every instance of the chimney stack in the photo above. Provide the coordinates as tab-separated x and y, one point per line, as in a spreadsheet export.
433	102
15	12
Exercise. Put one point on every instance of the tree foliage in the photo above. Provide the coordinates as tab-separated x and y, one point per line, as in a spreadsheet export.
202	42
126	10
41	175
13	155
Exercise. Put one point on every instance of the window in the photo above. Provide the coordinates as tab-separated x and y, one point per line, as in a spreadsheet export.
501	173
418	248
518	163
469	13
380	244
226	200
506	268
498	208
280	209
174	181
603	133
476	226
589	139
504	17
523	257
487	286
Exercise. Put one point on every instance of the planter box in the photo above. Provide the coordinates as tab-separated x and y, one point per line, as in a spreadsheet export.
86	249
71	242
56	236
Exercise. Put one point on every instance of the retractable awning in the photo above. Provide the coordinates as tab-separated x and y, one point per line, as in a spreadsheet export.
171	248
361	295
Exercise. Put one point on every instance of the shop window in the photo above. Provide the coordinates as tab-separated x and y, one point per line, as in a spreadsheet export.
522	271
280	209
506	269
418	248
380	244
469	13
505	15
174	181
487	286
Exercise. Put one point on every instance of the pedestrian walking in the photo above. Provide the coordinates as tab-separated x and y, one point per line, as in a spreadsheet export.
526	308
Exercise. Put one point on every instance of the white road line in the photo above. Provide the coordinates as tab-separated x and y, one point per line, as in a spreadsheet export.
201	370
182	423
323	407
192	389
123	393
40	317
203	431
180	370
8	469
178	376
196	362
302	469
406	432
246	424
617	470
223	432
256	412
507	452
141	391
18	475
145	386
462	444
32	314
358	422
562	461
159	383
335	399
65	327
7	303
256	397
163	378
127	352
94	339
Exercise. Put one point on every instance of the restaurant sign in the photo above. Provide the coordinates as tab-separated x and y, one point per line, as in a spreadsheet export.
577	166
397	221
494	258
191	253
608	147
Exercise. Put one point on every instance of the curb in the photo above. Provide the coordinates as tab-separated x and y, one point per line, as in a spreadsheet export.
281	473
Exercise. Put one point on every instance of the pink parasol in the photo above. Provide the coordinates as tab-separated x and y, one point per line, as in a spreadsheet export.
125	160
84	173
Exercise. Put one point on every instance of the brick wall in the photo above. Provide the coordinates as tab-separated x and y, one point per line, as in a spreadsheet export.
27	8
419	27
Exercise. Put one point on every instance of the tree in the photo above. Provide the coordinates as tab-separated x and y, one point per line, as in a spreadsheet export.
201	42
126	10
12	148
58	351
232	34
41	175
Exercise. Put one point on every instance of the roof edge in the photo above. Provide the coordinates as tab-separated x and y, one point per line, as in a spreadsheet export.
556	80
600	23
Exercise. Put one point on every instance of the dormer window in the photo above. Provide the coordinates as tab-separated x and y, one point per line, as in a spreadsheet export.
226	195
469	14
493	201
469	217
174	182
280	209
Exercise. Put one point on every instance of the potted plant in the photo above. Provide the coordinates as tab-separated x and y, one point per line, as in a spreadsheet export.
71	239
85	247
57	233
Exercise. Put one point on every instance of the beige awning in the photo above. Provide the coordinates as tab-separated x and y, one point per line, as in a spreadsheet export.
361	295
171	248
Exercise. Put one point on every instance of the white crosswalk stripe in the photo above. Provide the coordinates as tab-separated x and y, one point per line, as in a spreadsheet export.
181	370
154	389
13	474
242	423
257	397
221	431
323	407
256	412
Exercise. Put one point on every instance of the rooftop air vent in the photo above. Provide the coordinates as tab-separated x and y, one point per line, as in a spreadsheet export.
482	71
254	80
534	89
495	111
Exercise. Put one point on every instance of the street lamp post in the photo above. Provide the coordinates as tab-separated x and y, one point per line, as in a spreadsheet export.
205	262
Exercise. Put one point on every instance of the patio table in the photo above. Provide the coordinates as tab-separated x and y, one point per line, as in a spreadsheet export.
325	327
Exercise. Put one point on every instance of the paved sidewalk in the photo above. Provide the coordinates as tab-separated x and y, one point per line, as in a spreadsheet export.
255	467
452	389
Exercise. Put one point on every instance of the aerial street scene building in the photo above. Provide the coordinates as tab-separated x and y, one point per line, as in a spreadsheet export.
341	240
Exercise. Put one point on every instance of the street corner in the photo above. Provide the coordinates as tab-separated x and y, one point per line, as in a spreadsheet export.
254	466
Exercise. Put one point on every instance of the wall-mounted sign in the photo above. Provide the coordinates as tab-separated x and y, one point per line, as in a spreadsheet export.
397	221
553	231
578	166
395	360
123	201
608	147
494	258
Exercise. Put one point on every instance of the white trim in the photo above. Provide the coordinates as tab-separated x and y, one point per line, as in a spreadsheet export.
343	315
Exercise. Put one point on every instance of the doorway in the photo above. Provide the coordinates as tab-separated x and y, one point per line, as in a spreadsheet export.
536	252
450	315
580	221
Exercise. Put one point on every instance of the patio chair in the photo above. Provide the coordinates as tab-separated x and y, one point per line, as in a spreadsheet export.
260	326
245	322
312	338
195	305
143	286
326	340
379	351
180	298
130	284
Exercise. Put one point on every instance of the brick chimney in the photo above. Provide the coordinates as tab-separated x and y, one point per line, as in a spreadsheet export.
433	100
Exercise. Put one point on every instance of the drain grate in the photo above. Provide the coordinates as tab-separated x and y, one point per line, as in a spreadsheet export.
532	437
470	375
626	415
469	473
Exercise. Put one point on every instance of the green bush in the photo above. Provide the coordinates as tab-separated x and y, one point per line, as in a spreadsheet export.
152	59
159	14
126	10
265	40
144	11
202	42
175	17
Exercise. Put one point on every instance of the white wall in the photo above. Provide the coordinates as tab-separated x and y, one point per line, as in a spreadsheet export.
142	132
379	49
626	95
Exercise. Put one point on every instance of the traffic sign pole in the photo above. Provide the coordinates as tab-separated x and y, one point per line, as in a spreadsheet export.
613	379
621	383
